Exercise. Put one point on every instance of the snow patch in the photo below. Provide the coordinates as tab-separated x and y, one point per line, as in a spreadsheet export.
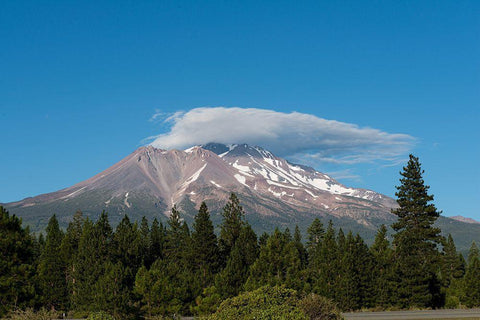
277	194
241	179
73	193
215	184
125	201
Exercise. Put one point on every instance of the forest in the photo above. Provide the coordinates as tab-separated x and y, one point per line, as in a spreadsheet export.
147	270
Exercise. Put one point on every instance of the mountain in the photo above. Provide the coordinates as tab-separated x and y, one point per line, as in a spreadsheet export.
273	191
465	219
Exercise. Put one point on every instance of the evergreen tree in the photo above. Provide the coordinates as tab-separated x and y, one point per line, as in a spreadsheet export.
262	241
279	263
69	252
93	254
127	246
416	240
156	243
231	226
205	248
175	238
315	232
452	266
347	293
382	273
144	241
51	269
297	241
323	266
113	291
471	296
16	263
230	281
473	253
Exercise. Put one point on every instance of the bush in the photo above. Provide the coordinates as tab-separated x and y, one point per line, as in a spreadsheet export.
100	316
29	314
452	302
317	307
264	303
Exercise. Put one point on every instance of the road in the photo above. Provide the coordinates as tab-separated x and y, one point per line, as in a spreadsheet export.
424	314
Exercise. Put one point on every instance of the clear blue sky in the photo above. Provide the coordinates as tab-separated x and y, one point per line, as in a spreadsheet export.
79	81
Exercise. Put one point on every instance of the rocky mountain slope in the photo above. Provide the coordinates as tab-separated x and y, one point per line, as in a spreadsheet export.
273	191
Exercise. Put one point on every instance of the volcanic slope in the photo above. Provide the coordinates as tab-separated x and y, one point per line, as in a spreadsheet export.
274	192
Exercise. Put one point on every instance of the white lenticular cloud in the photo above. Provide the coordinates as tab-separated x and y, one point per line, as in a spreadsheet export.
295	135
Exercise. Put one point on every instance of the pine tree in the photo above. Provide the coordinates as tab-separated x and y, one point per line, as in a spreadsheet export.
315	232
382	272
416	240
297	241
69	252
16	263
232	278
175	238
323	266
156	243
473	253
51	269
471	296
347	293
279	263
126	246
93	254
113	293
144	241
205	248
452	266
231	226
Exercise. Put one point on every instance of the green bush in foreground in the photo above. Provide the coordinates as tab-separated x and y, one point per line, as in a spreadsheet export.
30	314
276	303
317	307
100	316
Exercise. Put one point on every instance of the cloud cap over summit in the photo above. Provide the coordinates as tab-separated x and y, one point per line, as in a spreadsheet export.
295	135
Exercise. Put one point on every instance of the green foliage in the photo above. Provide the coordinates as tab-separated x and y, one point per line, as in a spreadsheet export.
264	303
101	315
16	263
51	269
323	265
279	263
30	314
204	247
471	296
231	279
315	235
208	302
159	272
383	269
317	307
232	224
416	239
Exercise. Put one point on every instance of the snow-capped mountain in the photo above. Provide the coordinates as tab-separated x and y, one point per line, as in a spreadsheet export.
273	191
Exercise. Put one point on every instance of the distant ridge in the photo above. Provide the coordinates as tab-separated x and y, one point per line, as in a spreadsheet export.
273	191
465	219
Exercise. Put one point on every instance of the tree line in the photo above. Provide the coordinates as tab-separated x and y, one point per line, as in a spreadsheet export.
143	269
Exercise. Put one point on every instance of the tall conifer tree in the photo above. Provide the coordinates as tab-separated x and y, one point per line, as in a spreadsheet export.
416	240
51	268
16	263
204	245
231	226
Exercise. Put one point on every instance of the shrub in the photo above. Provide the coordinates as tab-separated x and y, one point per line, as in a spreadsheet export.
100	316
29	314
264	303
317	307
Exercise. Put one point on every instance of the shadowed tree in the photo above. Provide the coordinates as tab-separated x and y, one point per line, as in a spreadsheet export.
51	268
416	240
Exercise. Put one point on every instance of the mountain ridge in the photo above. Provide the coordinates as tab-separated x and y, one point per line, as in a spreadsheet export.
273	191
